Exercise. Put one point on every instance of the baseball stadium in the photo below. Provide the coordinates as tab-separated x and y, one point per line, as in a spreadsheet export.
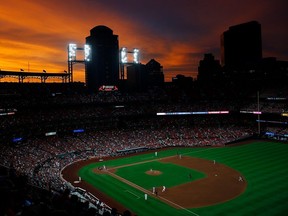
116	154
195	183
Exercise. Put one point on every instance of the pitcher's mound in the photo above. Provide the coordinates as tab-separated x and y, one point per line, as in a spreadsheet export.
153	172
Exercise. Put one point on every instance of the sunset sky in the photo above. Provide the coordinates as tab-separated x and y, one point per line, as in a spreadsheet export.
35	33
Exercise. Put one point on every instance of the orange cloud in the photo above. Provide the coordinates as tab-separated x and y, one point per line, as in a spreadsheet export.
177	36
38	34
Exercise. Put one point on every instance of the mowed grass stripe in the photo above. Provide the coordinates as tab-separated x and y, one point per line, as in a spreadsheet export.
263	168
245	151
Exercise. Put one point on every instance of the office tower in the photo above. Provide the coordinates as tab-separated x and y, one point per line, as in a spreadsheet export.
241	45
103	68
137	77
209	69
155	73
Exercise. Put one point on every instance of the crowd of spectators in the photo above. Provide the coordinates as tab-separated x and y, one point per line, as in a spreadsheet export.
41	159
277	133
18	197
267	106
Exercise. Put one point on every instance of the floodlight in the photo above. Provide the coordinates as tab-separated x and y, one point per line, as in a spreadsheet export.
87	52
124	58
72	52
136	56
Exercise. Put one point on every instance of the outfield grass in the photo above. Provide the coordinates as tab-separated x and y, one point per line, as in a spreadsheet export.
263	165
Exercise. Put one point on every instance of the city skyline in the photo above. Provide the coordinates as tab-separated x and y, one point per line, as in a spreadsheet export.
35	34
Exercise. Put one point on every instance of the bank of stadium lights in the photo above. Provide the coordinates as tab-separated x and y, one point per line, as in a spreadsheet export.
136	56
87	52
124	58
72	57
124	55
72	48
72	52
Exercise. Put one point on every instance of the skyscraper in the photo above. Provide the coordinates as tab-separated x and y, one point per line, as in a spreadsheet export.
209	69
241	45
155	73
137	77
103	68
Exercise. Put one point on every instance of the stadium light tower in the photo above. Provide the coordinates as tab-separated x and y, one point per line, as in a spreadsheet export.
72	57
72	52
126	59
87	52
136	56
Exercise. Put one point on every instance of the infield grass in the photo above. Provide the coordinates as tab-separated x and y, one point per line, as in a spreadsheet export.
168	178
263	165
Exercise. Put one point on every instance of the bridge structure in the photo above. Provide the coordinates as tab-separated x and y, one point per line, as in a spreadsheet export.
42	76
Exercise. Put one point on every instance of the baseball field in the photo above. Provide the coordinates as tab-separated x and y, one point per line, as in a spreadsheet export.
244	179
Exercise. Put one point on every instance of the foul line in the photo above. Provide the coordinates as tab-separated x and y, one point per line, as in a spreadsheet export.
146	191
127	191
179	206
